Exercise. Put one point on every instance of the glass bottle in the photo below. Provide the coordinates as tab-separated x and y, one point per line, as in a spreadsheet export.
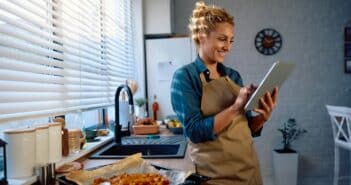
155	108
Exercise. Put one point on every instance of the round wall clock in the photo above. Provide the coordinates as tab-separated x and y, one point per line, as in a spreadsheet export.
268	41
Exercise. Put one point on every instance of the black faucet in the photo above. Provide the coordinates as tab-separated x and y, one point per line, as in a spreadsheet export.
118	126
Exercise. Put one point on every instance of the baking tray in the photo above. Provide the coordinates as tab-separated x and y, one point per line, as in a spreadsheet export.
192	179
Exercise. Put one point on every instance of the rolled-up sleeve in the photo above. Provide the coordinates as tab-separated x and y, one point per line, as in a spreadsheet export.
186	103
249	116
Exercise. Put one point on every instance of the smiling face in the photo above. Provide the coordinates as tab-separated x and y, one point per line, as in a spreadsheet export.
214	46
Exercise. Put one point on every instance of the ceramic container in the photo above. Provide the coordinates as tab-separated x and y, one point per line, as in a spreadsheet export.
20	152
55	142
42	145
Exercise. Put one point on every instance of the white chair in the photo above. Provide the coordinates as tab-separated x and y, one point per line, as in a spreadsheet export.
341	123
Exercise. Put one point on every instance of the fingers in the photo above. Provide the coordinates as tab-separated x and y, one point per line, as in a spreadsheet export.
271	98
263	114
275	94
251	88
264	111
265	105
244	95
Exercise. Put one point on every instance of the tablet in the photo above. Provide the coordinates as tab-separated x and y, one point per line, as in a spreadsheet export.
276	75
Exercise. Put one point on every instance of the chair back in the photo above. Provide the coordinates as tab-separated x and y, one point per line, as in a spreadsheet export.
340	118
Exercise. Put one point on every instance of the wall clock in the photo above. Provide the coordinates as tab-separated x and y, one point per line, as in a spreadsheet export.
268	41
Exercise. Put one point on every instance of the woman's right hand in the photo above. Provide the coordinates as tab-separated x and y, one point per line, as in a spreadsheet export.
224	118
243	97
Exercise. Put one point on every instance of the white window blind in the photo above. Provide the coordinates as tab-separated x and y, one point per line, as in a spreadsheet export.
58	56
118	27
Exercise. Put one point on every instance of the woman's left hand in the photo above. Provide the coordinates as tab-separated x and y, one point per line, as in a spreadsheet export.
267	104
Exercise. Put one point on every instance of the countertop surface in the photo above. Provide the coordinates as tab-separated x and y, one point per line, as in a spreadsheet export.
184	164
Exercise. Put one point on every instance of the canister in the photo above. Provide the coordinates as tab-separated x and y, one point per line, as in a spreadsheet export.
55	142
20	152
42	145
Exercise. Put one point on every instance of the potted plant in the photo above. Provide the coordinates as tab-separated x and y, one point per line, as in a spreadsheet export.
285	160
140	107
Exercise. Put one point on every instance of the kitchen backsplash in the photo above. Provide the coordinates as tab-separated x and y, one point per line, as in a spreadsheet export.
73	120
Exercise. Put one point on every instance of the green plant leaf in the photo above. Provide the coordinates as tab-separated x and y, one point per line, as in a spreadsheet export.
290	132
140	101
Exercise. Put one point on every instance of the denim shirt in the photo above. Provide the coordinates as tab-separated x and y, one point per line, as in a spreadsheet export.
186	93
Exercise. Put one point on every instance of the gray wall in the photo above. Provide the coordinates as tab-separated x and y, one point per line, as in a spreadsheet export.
312	32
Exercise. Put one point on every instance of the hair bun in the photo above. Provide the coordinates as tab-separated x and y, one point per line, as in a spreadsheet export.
199	10
204	19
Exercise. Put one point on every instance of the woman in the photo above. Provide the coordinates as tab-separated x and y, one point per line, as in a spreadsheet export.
209	97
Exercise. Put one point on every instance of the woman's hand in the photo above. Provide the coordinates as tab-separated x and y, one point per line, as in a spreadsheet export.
267	104
243	97
224	118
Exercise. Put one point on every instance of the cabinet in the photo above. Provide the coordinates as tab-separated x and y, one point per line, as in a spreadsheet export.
163	57
158	17
347	48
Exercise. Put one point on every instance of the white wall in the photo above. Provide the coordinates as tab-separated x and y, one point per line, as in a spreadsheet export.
313	39
139	49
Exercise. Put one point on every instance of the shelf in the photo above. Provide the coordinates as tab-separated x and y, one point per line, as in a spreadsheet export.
88	148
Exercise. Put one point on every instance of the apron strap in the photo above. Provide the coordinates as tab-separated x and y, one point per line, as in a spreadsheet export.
203	78
235	88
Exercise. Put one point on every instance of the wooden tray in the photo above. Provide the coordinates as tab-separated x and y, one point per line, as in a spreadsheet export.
145	129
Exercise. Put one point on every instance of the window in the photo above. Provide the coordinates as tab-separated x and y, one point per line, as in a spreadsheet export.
58	56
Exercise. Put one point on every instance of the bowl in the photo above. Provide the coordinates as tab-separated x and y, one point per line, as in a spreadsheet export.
90	134
176	130
174	126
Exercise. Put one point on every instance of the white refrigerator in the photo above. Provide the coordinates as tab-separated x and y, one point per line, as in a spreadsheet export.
163	57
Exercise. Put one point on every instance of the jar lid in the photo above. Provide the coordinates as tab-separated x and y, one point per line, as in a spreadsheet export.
19	131
39	127
74	131
55	124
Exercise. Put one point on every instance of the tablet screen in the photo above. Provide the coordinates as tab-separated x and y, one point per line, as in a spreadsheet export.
276	75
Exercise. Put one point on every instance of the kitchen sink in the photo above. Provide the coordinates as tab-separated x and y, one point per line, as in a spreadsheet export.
162	147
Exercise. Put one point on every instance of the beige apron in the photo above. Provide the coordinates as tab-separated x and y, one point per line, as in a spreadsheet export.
231	158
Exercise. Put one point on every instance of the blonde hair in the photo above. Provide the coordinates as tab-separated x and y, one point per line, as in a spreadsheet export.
205	18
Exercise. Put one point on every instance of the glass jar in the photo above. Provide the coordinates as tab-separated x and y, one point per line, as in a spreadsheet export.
74	140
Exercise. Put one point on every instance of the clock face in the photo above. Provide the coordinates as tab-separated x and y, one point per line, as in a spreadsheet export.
268	41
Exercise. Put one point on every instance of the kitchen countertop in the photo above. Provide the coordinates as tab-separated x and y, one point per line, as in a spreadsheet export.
184	164
65	159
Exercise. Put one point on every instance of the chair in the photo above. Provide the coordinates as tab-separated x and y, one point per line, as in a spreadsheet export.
341	123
